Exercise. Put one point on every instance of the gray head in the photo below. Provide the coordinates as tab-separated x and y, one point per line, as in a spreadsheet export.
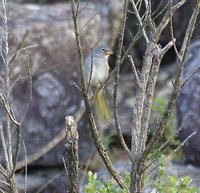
102	51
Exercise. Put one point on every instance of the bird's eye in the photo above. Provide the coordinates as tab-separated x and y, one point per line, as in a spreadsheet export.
103	49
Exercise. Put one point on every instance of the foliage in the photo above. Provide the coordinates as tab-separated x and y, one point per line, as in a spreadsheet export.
163	183
95	186
158	107
172	183
108	138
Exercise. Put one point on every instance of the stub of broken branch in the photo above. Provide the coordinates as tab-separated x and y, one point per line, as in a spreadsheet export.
72	158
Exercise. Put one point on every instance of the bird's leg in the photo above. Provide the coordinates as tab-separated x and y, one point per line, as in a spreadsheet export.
101	85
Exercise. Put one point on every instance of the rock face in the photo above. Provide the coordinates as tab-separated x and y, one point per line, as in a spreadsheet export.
188	107
54	65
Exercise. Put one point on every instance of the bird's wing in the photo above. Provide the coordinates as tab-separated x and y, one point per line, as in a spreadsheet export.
90	69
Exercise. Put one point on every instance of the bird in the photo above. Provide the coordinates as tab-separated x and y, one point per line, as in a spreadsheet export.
96	71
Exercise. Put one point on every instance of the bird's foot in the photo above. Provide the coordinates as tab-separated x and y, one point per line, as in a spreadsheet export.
102	85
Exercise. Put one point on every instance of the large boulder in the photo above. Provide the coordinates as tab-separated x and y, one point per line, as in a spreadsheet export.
54	64
188	107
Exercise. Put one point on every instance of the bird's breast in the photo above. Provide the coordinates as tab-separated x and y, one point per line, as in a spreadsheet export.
101	72
96	70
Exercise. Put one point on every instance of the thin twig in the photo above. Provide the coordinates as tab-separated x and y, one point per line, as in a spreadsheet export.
134	69
182	143
172	30
3	172
119	53
22	49
8	110
30	88
190	76
4	148
139	20
26	168
170	155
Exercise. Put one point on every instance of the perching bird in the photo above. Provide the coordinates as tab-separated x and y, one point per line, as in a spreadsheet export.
96	71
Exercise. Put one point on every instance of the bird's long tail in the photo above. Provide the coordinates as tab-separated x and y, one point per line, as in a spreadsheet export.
102	108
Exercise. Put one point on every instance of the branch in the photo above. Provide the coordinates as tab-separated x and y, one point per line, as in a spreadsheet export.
93	127
183	143
5	153
119	53
72	155
134	69
159	54
166	18
140	21
177	85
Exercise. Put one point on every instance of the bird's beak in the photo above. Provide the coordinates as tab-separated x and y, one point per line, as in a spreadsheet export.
108	52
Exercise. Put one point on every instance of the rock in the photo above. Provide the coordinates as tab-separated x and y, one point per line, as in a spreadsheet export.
54	64
111	13
55	67
46	181
180	171
38	1
126	99
123	167
188	106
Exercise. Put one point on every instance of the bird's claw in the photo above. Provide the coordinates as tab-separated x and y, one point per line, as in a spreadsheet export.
101	85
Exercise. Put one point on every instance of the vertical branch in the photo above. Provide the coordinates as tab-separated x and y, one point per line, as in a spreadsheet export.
88	105
19	128
78	42
7	85
137	177
150	90
10	152
152	58
140	98
177	84
3	143
72	155
119	53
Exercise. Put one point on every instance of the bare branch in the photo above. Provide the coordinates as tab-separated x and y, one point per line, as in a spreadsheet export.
166	18
18	48
172	30
134	69
4	149
189	77
72	154
119	53
177	83
8	110
159	53
183	143
139	20
22	49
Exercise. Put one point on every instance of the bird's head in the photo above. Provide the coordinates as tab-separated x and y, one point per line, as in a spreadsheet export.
102	51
